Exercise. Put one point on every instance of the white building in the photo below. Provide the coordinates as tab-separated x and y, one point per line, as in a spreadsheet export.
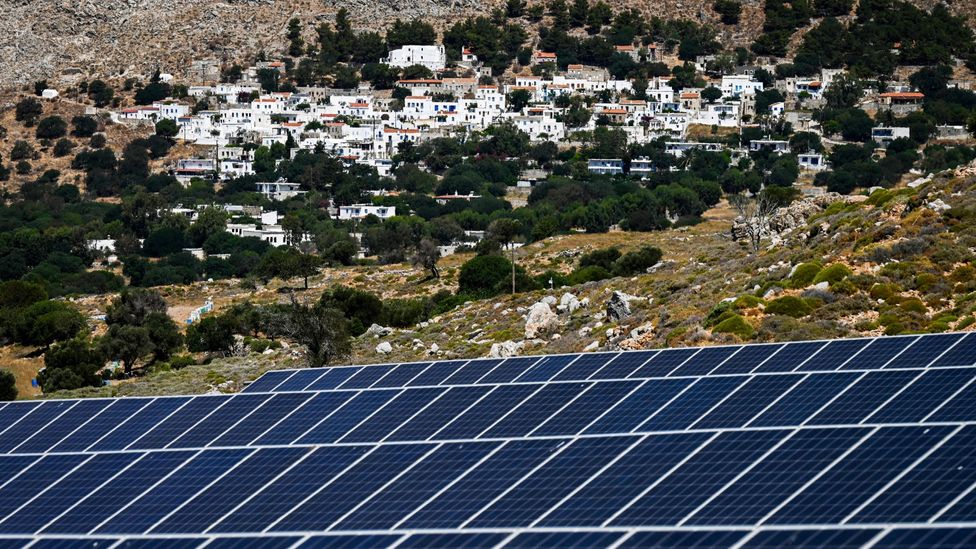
432	57
360	211
606	166
740	84
279	190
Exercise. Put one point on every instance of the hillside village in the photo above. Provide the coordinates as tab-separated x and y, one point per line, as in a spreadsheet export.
561	167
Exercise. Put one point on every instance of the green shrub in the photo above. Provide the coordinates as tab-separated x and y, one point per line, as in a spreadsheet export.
804	274
8	386
603	258
832	274
404	313
716	314
789	306
747	302
589	274
735	325
894	328
181	361
965	322
637	262
558	279
884	291
913	305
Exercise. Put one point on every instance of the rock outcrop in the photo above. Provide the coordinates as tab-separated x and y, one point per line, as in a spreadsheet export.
540	320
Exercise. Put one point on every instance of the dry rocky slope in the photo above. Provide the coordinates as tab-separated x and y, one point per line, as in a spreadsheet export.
64	40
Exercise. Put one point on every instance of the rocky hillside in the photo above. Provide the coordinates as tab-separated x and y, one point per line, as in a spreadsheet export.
897	261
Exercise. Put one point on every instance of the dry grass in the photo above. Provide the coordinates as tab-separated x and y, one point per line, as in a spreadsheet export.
24	368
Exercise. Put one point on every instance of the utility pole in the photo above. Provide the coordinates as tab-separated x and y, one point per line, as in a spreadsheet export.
512	244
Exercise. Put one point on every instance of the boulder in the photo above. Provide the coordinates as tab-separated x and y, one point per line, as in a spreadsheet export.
591	347
384	348
539	320
549	300
378	331
568	303
619	306
505	349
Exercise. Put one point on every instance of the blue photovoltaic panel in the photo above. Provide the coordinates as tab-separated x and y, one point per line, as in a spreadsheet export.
207	430
266	417
811	539
346	491
367	376
534	410
306	416
350	542
142	513
437	373
222	497
30	423
167	431
273	500
478	488
430	420
833	355
623	365
585	408
22	488
701	539
804	399
268	381
264	542
961	407
864	397
923	396
137	424
961	354
924	351
86	435
486	412
55	431
472	372
127	486
885	454
509	370
746	403
452	541
928	538
556	479
705	361
332	378
546	368
929	486
715	464
624	480
878	353
664	362
790	357
747	359
585	366
347	417
392	415
391	505
58	497
777	476
402	375
565	539
299	380
629	413
683	411
758	444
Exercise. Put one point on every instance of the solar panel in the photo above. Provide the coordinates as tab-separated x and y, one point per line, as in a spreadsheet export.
848	443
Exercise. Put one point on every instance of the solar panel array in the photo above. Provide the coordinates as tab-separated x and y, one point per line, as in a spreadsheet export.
861	442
